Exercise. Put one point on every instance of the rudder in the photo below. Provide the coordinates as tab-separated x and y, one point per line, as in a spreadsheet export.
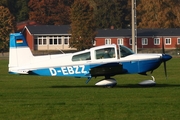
19	52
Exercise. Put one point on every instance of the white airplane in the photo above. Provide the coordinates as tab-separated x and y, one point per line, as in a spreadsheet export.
106	60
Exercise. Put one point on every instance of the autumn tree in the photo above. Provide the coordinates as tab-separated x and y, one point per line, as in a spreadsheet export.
176	11
7	26
83	29
156	14
22	10
112	13
51	12
18	8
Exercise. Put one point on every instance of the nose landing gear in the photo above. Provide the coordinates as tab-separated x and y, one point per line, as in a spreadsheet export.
148	83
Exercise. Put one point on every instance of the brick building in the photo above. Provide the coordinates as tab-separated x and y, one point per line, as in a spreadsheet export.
51	37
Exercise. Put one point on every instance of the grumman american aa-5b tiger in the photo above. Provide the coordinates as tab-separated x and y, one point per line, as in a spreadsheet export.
106	60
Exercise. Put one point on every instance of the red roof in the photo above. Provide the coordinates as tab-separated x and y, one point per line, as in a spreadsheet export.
20	26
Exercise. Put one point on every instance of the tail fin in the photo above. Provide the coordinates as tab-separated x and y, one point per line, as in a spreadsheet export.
19	52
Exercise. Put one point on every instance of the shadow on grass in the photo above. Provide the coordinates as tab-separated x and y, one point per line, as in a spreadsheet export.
119	86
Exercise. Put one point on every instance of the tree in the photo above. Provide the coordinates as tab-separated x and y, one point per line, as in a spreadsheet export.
156	14
112	13
51	12
22	10
83	28
176	11
18	8
7	26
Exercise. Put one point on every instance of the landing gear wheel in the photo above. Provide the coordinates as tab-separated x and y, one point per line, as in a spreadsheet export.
108	83
148	83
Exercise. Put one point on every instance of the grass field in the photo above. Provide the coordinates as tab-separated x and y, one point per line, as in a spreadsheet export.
59	98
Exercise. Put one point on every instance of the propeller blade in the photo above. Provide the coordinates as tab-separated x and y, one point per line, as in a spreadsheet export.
163	50
165	71
151	71
163	53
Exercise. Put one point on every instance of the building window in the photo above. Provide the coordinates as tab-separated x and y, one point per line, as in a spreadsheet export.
130	41
50	40
66	40
168	41
144	41
156	41
107	41
40	40
120	41
55	40
35	41
178	41
44	41
94	42
59	40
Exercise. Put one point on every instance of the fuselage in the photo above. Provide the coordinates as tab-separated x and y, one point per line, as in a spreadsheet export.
80	63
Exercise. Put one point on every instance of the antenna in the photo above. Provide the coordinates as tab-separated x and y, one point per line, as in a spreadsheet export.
60	50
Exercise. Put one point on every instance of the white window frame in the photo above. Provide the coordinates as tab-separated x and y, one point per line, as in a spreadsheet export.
94	42
156	41
66	40
144	41
43	40
120	41
107	41
168	41
55	38
130	41
59	40
178	41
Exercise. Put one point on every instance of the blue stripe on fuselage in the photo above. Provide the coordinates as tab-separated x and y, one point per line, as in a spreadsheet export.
74	71
129	67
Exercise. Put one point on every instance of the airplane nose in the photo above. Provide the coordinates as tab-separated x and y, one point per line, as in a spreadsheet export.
166	57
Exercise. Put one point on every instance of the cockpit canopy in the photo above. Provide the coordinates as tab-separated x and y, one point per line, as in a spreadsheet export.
103	52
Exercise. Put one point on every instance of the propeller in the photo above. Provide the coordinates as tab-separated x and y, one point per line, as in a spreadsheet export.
163	53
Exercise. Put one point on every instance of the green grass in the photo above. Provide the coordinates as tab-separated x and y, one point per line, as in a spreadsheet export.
53	98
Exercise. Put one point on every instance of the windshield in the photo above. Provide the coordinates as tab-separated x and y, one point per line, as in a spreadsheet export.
125	51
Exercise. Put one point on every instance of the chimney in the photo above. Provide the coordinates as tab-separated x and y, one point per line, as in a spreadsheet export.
112	27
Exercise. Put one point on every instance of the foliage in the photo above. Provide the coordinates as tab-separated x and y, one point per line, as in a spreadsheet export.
158	14
18	8
117	13
111	13
7	26
82	25
50	12
22	10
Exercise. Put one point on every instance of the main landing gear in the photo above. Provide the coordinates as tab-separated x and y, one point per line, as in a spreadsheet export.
111	82
107	82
